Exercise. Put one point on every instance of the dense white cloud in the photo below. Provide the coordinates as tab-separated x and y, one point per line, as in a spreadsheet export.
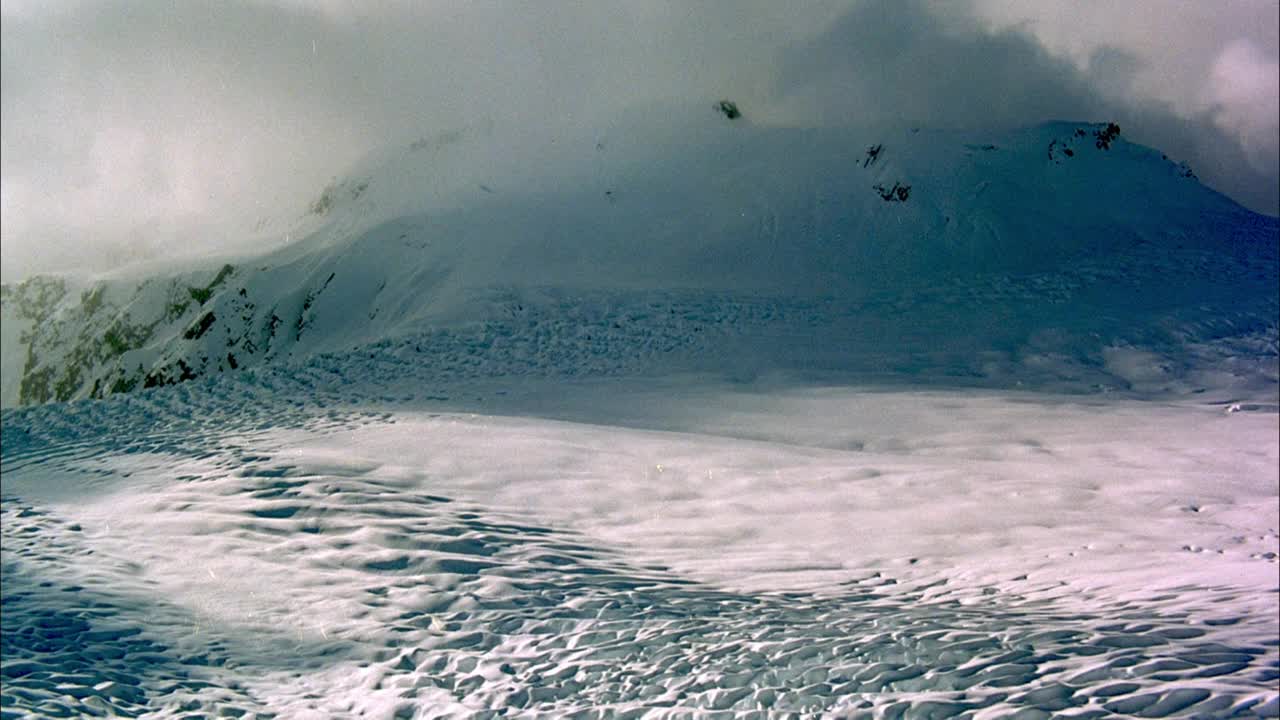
1245	103
1201	65
136	129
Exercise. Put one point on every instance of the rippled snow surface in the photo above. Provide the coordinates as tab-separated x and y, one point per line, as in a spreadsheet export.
241	548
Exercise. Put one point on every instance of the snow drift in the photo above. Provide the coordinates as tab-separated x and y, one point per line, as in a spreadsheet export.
680	418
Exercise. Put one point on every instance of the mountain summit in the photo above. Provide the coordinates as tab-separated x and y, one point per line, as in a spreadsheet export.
1059	255
683	417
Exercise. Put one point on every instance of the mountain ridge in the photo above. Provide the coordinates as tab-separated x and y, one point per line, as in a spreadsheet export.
734	247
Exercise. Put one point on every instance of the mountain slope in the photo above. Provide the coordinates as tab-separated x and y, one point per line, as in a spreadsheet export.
424	491
1058	254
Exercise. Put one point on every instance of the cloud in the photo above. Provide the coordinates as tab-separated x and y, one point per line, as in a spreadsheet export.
150	129
900	63
1245	103
906	62
187	122
146	129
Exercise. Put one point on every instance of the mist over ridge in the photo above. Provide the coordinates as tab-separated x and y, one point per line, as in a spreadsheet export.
212	128
686	240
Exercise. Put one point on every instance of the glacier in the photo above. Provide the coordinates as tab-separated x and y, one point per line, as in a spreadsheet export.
680	417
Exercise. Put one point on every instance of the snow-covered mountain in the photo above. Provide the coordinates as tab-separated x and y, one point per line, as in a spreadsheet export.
677	418
1060	255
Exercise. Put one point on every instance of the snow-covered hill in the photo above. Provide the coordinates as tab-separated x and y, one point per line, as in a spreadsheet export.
678	418
1058	255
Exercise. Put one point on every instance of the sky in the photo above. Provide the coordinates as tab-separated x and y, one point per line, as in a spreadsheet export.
142	130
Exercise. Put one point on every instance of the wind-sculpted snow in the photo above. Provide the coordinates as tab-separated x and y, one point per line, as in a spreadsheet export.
781	424
453	611
238	549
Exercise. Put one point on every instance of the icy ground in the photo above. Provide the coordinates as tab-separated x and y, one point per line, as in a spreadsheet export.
681	547
738	422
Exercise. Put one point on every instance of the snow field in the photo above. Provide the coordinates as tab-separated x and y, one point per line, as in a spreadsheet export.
680	420
772	550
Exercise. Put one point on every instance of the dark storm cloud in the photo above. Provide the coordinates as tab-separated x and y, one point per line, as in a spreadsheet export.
907	63
141	129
